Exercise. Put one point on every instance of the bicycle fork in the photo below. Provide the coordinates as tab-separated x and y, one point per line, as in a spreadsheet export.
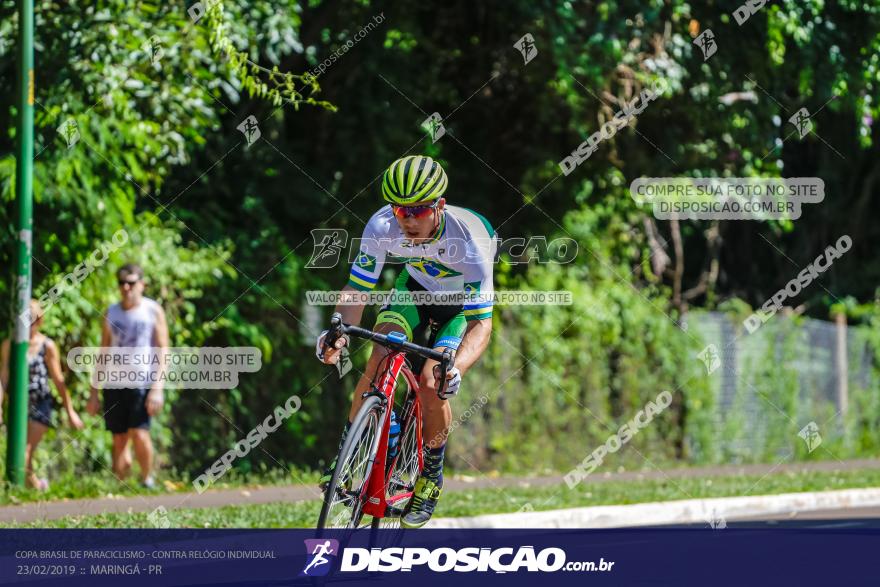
375	502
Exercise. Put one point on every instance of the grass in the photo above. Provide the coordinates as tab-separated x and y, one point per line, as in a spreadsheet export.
58	450
484	501
104	484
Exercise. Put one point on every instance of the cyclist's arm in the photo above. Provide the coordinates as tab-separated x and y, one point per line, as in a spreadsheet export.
352	311
365	270
478	309
362	277
474	342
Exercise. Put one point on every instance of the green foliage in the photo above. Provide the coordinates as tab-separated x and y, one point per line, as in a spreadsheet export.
278	87
224	229
579	372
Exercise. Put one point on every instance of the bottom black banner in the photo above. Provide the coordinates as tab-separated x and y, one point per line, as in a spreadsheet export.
687	556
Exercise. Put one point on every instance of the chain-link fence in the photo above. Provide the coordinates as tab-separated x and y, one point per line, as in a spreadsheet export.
789	375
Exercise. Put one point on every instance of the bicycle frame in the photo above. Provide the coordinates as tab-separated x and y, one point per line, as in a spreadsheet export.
372	497
375	502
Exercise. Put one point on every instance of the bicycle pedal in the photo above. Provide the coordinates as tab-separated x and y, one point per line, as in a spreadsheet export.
345	497
401	484
393	512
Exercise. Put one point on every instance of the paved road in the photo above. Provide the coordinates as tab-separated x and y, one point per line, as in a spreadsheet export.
866	517
839	518
33	511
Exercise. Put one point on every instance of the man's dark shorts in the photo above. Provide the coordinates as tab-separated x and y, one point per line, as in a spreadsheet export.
124	409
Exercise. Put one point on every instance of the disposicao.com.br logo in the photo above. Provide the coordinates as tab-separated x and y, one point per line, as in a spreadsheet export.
470	559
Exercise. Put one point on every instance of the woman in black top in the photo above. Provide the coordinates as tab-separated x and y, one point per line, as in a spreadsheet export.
43	364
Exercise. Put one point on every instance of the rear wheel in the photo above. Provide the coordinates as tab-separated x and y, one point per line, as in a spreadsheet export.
343	498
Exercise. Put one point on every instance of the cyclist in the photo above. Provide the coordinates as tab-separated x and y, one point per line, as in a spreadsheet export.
445	249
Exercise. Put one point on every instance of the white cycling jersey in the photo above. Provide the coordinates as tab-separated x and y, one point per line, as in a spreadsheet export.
459	259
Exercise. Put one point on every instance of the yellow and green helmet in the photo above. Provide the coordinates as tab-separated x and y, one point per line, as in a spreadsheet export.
413	180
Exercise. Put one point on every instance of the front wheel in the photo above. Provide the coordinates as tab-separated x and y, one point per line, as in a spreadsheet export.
405	469
343	498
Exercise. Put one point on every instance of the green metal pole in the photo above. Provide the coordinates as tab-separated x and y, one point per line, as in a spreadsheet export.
18	394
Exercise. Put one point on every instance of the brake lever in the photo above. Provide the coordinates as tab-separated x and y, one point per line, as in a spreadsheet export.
336	322
447	362
337	329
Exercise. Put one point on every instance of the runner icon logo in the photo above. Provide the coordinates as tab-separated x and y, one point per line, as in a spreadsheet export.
321	554
328	245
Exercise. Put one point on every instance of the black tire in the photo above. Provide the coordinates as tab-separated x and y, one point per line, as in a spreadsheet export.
361	444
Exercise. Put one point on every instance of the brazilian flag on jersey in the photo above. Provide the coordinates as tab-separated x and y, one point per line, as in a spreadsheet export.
359	277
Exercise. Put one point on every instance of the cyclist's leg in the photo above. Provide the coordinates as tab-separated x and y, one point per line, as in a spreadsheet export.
436	413
436	418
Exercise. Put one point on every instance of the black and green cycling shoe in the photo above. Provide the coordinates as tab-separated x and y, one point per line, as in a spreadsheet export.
426	494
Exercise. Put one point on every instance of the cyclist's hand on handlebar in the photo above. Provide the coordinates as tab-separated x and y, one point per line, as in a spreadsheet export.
453	381
329	355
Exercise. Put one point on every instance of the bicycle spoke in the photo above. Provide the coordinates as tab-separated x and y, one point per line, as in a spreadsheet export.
344	509
405	471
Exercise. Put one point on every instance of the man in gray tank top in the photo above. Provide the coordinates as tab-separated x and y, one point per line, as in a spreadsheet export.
135	322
